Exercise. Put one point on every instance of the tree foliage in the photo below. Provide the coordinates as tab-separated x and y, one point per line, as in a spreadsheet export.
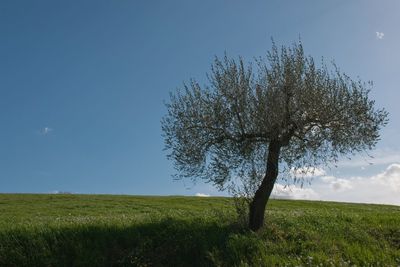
223	129
281	109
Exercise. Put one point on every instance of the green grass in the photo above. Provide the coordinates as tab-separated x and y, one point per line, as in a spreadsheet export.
103	230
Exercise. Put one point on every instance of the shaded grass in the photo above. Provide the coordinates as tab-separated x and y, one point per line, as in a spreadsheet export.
103	230
169	242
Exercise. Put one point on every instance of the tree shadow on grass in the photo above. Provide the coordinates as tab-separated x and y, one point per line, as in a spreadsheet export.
168	242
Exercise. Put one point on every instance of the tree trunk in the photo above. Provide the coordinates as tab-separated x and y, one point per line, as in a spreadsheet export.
257	206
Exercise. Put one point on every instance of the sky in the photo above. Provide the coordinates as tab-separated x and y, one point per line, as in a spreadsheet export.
83	86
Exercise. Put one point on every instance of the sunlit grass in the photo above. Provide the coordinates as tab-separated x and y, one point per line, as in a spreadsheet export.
104	230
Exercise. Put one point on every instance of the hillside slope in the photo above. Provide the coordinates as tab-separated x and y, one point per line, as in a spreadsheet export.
105	230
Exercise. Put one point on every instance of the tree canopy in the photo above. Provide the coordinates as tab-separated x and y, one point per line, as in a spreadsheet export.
282	106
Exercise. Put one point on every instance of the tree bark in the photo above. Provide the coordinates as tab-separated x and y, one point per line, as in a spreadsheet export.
257	206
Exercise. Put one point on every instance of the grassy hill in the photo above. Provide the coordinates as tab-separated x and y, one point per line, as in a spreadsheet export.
104	230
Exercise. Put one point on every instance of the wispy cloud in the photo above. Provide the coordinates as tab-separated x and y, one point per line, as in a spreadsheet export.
379	35
378	157
45	131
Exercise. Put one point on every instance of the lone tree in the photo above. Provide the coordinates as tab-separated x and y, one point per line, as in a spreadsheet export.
246	123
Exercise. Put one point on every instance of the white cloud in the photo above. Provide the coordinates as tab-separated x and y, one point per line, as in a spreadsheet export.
390	177
307	172
45	130
328	178
60	192
201	195
380	35
293	192
383	188
341	184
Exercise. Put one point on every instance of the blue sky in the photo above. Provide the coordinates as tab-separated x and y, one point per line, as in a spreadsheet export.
82	85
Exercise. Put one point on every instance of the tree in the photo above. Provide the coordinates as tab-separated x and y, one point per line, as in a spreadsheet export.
245	123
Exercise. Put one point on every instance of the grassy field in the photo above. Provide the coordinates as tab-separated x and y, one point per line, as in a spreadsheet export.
104	230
